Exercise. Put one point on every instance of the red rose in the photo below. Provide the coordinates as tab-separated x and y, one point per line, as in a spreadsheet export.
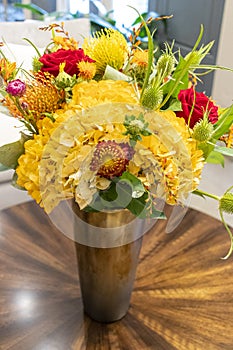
51	61
202	104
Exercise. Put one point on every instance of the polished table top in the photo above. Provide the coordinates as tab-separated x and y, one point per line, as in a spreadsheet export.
182	298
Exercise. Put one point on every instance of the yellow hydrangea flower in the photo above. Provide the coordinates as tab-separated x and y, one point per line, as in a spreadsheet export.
168	157
89	94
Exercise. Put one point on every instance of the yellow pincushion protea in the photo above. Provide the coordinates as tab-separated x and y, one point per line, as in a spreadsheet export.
41	97
107	47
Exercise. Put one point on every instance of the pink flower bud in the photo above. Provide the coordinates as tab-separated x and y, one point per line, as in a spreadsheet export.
16	88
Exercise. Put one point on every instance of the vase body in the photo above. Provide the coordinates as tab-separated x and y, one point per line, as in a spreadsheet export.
107	274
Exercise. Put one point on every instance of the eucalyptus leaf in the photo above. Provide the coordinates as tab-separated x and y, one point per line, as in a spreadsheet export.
144	208
136	184
10	153
137	205
215	158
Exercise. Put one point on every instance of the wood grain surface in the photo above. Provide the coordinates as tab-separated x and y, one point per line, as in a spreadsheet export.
182	298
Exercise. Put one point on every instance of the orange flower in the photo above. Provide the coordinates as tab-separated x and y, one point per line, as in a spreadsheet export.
140	58
66	43
7	69
87	70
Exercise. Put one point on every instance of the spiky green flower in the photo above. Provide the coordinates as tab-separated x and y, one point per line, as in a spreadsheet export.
36	64
203	131
152	97
165	64
226	203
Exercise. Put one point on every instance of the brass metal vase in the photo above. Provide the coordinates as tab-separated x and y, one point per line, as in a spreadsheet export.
107	273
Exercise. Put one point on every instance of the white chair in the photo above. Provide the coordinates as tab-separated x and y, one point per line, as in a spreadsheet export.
14	32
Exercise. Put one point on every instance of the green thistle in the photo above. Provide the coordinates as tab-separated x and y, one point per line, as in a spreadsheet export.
196	56
203	130
152	97
36	64
166	63
226	203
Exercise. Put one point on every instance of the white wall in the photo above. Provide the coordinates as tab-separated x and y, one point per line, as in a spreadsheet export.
222	90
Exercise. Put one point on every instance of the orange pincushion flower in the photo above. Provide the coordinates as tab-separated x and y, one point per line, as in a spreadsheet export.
40	97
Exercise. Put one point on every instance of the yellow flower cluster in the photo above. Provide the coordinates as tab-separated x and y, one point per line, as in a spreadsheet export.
70	141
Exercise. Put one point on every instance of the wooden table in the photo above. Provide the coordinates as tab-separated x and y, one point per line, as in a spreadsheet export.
183	295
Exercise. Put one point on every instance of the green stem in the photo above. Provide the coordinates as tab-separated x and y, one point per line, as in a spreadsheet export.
230	235
150	53
184	70
203	193
34	46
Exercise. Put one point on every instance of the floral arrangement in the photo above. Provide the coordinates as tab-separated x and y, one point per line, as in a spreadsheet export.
111	127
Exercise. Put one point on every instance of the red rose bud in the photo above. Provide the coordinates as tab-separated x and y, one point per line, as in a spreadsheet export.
51	61
202	105
16	88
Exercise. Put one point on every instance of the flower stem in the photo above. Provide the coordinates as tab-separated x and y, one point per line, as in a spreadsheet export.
203	193
230	235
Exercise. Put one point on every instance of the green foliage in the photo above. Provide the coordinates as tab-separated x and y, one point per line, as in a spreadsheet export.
126	192
224	122
215	158
136	127
206	148
10	153
179	81
224	150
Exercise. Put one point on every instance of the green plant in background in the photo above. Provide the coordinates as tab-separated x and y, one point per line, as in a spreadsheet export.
98	22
